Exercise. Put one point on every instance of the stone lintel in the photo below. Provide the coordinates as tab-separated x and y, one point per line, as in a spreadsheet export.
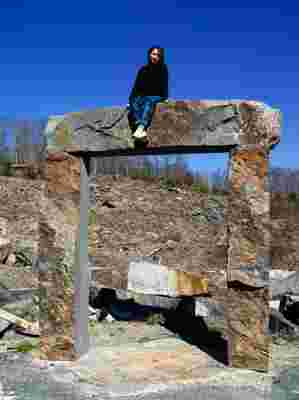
176	124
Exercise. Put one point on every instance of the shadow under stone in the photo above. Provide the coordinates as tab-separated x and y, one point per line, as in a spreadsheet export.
195	331
181	321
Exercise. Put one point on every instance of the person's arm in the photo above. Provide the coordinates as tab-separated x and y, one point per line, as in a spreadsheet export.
165	92
136	84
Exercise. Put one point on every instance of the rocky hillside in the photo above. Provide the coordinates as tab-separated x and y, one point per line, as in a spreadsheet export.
187	229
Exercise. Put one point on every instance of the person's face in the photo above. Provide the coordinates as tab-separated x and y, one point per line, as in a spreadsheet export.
155	56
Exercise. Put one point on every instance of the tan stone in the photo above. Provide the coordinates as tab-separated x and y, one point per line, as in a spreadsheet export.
247	313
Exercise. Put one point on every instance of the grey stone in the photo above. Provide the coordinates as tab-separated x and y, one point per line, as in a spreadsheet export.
289	284
216	125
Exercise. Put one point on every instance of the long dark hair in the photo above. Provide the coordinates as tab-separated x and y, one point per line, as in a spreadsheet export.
162	54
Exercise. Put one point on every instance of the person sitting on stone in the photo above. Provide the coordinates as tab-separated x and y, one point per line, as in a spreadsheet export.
150	88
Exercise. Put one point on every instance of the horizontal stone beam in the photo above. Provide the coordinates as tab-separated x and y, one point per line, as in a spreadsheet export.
177	126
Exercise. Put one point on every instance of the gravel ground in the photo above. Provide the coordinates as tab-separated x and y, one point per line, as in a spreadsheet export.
21	378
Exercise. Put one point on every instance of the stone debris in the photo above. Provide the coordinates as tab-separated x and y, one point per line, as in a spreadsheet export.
148	278
21	324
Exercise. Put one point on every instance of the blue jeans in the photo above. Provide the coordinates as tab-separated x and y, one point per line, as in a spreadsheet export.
142	109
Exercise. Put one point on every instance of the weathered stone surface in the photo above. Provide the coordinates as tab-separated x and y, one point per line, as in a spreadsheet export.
278	274
210	309
5	249
247	316
289	284
260	124
248	265
29	170
249	217
65	132
149	278
176	123
56	267
62	173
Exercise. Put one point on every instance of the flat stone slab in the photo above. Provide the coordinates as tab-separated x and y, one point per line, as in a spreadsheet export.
148	278
177	123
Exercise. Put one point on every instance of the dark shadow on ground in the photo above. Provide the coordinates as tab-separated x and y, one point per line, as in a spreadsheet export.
181	321
121	310
195	331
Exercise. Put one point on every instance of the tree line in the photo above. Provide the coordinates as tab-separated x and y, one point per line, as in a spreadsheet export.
176	170
23	141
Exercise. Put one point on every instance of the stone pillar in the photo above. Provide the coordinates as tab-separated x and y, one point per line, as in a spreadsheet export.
248	265
81	272
63	276
56	299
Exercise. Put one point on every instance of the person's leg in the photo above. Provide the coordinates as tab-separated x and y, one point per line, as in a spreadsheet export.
136	109
148	109
135	118
144	108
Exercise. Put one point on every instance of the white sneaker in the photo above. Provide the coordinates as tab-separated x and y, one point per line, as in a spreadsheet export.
140	132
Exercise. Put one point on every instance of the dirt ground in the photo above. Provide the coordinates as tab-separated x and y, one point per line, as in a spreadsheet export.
144	356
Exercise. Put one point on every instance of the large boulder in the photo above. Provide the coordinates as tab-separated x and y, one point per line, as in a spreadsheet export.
175	123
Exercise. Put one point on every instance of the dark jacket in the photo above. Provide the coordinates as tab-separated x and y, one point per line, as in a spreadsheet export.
151	80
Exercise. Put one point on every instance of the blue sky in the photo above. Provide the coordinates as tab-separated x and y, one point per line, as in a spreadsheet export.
64	56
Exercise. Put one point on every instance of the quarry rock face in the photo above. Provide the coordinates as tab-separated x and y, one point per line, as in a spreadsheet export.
147	219
248	130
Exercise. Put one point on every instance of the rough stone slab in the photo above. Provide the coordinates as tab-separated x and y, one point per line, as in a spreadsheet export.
289	284
249	217
20	322
149	278
176	123
247	314
57	274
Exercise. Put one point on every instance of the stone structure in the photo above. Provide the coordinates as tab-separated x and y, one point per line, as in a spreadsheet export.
35	219
246	130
